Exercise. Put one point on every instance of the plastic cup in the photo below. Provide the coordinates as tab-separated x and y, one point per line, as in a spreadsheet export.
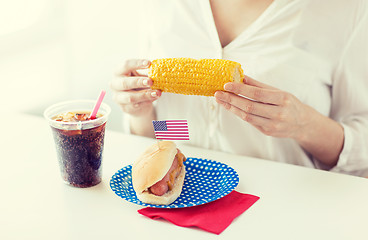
79	145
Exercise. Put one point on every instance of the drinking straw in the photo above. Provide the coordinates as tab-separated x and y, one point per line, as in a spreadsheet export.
97	105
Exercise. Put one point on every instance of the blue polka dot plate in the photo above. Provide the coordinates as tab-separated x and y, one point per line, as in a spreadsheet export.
205	181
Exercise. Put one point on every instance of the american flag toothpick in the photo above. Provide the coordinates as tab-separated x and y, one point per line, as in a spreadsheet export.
171	130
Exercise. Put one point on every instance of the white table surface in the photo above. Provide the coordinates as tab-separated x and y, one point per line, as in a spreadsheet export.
295	202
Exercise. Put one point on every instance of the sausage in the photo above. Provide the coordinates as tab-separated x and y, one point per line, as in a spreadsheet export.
167	182
175	173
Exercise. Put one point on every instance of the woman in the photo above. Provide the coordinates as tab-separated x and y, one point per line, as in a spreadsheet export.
305	63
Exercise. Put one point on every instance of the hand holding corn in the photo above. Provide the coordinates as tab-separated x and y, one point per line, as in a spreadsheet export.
193	77
131	89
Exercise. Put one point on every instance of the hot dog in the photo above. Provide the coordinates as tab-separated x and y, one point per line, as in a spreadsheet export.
167	182
158	174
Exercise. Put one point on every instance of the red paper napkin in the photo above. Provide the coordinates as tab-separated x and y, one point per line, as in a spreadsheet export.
213	217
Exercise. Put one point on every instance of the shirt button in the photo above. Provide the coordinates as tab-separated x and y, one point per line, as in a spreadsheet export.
212	107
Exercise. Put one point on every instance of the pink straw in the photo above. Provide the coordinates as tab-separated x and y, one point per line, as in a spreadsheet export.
98	104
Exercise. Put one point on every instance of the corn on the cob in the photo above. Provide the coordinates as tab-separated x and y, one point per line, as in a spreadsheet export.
193	77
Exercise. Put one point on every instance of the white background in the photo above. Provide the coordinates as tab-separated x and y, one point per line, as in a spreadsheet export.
55	50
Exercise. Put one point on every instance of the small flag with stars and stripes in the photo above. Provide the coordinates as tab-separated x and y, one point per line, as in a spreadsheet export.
171	130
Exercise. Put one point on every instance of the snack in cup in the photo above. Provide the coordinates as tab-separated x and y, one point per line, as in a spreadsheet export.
79	140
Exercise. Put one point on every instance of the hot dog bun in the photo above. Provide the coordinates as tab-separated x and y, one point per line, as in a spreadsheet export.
151	167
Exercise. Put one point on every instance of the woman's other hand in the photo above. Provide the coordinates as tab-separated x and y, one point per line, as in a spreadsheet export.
280	114
274	112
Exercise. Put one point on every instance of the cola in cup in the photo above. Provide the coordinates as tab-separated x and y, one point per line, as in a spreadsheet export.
79	140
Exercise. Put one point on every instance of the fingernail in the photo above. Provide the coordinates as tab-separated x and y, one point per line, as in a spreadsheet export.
136	105
145	82
218	94
154	94
145	63
228	87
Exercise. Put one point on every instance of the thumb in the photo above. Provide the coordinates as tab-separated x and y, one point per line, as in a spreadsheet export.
250	81
131	65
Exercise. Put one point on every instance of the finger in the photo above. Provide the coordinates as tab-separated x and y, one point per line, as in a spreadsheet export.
265	125
259	94
128	83
248	106
133	97
138	74
248	117
250	81
132	65
137	107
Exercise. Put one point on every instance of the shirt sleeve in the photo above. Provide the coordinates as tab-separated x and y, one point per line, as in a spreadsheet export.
143	43
126	124
350	98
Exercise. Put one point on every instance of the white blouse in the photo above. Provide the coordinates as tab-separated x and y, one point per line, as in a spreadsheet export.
316	50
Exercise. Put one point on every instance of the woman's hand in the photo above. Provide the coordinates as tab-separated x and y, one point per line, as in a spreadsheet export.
280	114
132	90
274	112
